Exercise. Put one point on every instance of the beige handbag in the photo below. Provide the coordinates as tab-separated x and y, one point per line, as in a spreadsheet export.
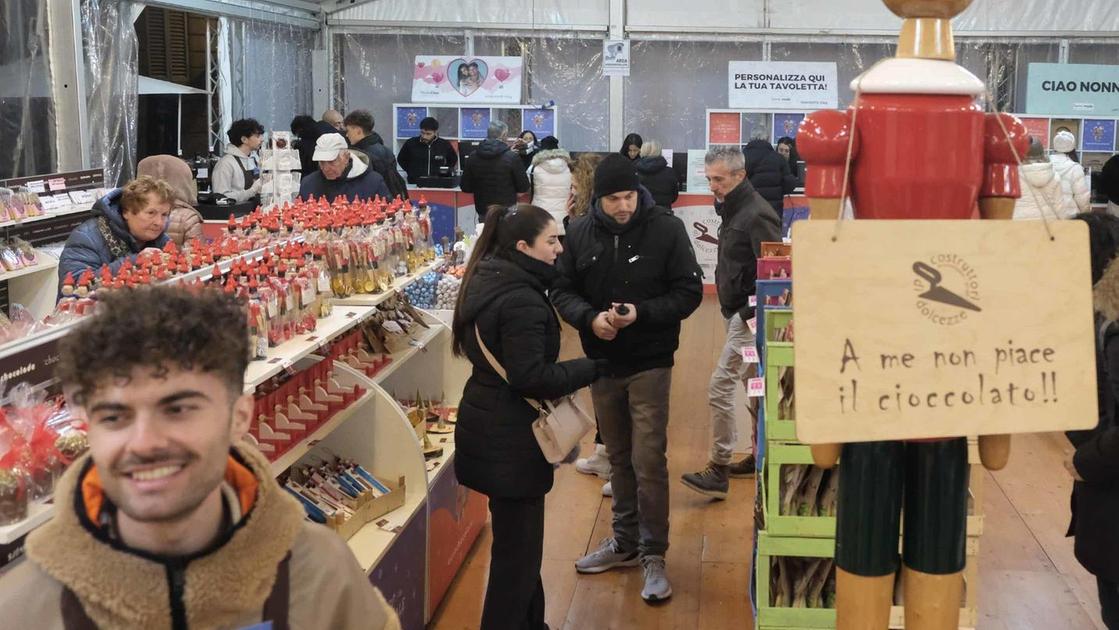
562	423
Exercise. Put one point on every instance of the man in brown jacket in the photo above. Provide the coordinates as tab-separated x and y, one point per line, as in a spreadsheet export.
170	521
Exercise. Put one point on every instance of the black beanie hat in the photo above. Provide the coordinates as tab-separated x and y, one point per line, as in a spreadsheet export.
616	173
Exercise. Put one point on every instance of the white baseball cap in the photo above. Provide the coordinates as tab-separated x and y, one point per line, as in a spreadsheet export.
328	146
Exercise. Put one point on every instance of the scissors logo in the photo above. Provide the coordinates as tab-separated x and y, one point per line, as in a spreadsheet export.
939	303
702	235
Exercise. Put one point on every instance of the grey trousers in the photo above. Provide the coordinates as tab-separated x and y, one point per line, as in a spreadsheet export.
633	419
729	372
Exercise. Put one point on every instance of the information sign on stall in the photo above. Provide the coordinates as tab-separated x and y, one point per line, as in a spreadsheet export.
1099	135
455	79
615	58
788	85
724	128
541	122
1038	128
408	121
786	126
927	329
473	122
1072	88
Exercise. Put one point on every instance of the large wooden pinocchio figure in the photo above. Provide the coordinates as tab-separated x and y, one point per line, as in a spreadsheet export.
914	145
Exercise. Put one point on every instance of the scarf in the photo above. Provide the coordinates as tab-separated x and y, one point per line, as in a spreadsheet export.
117	248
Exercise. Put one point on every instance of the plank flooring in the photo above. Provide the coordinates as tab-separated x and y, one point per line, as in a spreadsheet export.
1029	579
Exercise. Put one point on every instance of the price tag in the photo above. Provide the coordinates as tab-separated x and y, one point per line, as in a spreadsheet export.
52	203
38	186
56	184
753	301
750	354
752	324
81	197
755	387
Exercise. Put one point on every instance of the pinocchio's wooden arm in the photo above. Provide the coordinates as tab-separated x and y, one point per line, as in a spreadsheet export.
1001	208
994	451
826	455
824	141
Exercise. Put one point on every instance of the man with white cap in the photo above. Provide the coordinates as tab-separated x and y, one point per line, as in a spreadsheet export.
1076	195
341	173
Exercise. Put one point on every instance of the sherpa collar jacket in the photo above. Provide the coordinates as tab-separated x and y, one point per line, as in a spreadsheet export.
76	576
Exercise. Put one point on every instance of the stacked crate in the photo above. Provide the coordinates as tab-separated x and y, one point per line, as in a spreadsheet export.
795	542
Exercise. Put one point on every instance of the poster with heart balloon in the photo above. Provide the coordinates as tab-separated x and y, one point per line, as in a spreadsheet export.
462	79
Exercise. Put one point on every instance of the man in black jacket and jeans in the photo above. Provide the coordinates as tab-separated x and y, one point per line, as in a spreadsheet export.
748	221
629	277
494	173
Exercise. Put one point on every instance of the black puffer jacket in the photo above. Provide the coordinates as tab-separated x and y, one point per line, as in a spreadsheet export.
420	159
495	450
495	175
661	180
383	162
648	262
769	173
1095	501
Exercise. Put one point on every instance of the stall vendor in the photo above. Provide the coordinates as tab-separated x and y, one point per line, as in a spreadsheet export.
237	174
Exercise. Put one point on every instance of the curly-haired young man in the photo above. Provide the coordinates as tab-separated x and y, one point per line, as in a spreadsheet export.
171	521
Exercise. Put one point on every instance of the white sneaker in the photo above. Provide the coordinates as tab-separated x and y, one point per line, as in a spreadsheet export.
597	464
607	489
657	588
607	557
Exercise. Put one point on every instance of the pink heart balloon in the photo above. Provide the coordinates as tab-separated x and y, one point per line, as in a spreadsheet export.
437	77
420	64
501	74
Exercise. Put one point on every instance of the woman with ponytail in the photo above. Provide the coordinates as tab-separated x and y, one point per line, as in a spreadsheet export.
504	301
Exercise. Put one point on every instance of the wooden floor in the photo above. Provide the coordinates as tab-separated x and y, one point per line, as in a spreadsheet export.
1029	577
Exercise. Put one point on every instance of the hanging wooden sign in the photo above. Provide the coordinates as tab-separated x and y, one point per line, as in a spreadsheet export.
926	329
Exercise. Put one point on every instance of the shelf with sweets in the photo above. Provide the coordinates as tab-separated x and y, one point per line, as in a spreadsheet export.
44	262
63	211
295	453
348	312
38	513
371	542
285	355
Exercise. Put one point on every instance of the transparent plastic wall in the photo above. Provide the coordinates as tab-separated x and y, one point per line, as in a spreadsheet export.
27	125
567	70
373	71
673	81
277	73
111	69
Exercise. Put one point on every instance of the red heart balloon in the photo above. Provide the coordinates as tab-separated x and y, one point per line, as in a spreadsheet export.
501	74
420	64
437	77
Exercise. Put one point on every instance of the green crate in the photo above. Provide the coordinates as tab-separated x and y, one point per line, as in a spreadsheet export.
778	354
774	618
777	524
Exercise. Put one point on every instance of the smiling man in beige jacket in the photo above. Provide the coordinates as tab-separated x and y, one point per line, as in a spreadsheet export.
171	521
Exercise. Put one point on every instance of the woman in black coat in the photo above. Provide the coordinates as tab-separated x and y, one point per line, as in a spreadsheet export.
1095	464
656	175
504	297
769	173
631	146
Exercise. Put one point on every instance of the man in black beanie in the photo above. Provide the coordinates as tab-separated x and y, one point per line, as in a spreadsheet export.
628	278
